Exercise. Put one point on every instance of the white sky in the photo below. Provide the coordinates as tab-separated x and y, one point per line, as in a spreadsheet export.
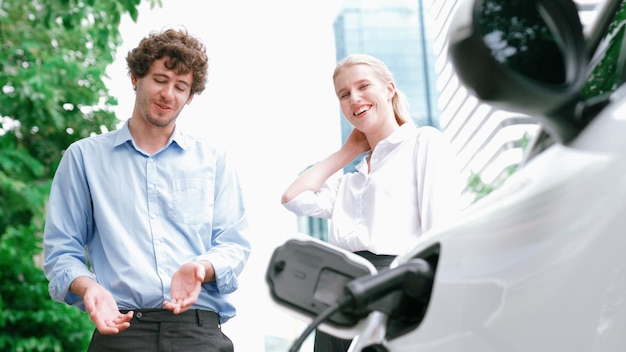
270	101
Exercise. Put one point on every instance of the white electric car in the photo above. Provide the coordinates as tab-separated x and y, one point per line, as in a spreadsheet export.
540	263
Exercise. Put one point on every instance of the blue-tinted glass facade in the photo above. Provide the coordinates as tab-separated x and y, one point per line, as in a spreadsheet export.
394	31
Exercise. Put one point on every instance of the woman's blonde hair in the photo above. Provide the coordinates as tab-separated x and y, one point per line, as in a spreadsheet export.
398	101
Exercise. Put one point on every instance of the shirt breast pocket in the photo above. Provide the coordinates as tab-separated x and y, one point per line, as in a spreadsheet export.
192	201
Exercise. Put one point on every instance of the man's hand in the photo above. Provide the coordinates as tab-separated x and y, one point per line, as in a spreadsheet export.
101	306
186	284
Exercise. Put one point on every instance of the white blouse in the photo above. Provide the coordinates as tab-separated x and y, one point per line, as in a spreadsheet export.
413	185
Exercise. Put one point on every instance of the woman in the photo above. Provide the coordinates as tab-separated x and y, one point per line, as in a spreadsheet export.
406	184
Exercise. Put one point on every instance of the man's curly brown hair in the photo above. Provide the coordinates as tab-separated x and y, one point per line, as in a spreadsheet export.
185	54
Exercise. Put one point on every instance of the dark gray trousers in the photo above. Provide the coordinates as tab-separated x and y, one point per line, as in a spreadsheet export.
160	330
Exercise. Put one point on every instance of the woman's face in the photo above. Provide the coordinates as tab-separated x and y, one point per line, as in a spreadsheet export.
364	99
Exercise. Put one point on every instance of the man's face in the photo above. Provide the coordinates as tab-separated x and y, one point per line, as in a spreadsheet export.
162	94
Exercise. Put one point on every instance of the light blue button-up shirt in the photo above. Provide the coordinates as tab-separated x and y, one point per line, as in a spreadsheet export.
141	217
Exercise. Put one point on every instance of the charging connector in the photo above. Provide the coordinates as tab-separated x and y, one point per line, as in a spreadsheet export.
412	279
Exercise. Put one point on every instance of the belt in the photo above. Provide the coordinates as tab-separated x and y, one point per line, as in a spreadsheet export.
379	260
156	315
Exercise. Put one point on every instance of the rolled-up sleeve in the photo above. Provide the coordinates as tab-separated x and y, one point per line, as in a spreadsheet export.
230	246
68	222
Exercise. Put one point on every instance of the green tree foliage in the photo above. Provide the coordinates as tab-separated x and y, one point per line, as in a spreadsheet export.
53	58
607	71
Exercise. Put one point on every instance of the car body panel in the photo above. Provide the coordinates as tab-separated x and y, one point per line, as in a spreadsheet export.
538	265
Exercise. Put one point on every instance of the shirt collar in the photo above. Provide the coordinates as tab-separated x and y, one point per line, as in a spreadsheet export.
405	132
124	136
179	138
402	133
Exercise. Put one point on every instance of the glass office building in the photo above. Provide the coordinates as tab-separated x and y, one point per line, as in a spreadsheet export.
394	31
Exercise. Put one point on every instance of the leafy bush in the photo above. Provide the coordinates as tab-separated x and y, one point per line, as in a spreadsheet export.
29	319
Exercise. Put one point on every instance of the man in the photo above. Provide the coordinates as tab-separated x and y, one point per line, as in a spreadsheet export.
146	226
